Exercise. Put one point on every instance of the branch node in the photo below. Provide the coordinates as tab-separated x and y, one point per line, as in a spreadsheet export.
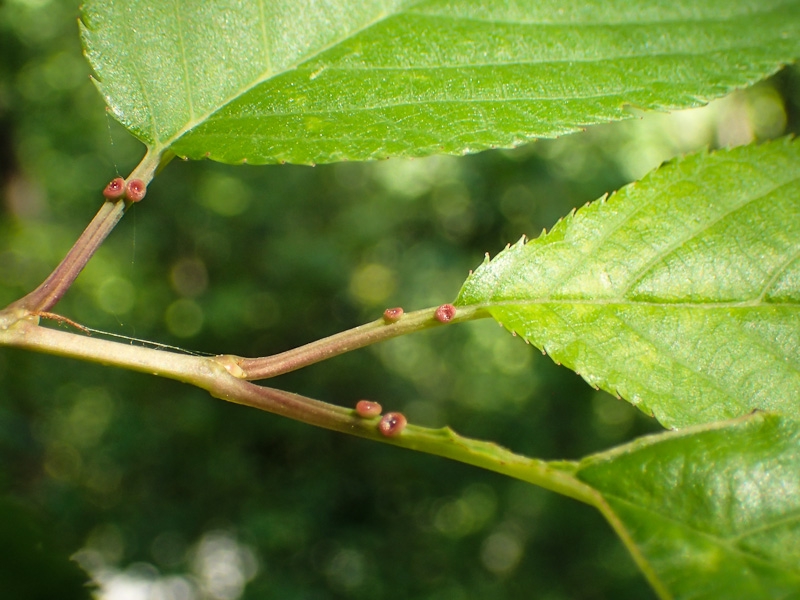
231	365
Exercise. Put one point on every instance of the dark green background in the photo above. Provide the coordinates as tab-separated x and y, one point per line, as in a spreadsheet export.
137	471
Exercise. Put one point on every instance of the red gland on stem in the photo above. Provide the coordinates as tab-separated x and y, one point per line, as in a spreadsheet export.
135	190
391	315
367	409
445	313
392	424
115	189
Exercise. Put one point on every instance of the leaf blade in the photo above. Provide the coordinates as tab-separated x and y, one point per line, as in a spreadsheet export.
712	512
324	81
681	293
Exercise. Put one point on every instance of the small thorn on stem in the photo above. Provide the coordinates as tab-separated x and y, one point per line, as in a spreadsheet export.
115	189
368	409
392	424
135	190
392	315
445	313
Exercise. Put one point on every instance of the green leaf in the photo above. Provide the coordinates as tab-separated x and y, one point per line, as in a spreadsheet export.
681	293
324	80
712	512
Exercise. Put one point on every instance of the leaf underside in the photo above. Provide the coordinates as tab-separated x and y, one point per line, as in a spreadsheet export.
312	81
713	513
680	293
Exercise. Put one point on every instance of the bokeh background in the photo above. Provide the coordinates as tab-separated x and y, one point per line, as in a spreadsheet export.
160	492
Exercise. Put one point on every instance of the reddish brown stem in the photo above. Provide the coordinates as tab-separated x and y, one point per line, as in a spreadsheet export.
371	333
214	374
52	289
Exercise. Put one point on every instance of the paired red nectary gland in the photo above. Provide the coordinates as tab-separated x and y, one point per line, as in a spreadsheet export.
135	190
392	424
368	409
391	315
115	189
445	313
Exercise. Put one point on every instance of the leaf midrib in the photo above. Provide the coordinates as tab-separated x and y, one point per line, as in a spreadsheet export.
689	234
666	351
720	541
459	101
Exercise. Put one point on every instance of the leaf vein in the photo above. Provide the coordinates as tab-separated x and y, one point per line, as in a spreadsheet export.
714	539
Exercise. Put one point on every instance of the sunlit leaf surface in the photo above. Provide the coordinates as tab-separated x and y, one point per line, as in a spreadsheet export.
317	81
681	293
712	513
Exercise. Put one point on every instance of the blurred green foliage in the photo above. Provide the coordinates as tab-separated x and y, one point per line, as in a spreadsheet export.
165	490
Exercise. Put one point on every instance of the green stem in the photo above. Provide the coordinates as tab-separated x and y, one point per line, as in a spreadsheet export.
218	376
154	160
371	333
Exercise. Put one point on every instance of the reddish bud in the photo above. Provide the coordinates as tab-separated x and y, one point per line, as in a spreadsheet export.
390	315
445	313
115	188
392	424
135	190
368	409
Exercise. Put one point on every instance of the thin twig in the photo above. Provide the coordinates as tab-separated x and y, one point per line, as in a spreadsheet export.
377	331
52	289
215	377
